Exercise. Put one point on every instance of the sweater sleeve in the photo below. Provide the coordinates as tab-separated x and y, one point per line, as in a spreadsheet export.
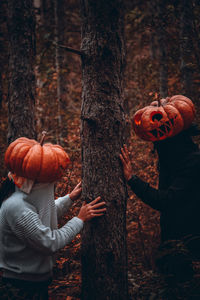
62	205
28	227
159	199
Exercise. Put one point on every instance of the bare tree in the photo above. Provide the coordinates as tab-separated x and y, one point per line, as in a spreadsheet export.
59	9
186	47
21	97
158	42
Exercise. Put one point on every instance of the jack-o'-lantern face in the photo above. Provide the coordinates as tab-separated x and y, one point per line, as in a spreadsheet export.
164	118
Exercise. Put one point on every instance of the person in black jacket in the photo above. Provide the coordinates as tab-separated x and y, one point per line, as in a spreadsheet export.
178	195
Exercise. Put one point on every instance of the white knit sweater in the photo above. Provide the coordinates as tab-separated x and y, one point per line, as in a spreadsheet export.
29	235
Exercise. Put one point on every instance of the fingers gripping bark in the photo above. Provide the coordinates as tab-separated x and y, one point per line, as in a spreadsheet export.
92	210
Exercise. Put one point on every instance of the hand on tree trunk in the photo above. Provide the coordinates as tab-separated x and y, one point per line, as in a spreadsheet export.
91	210
127	166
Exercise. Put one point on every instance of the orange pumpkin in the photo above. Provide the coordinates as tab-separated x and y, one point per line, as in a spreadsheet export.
32	160
164	118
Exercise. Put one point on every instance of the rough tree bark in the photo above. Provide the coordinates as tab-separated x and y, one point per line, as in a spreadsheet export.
2	57
158	42
21	97
60	66
104	257
162	44
186	47
1	91
57	38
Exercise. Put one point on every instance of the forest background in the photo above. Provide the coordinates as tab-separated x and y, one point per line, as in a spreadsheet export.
162	59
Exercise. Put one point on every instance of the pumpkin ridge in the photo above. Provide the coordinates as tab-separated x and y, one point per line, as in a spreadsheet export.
187	112
41	162
30	165
9	155
19	157
58	162
175	131
48	169
24	164
63	158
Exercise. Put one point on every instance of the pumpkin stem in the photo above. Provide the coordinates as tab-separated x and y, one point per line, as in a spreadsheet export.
43	137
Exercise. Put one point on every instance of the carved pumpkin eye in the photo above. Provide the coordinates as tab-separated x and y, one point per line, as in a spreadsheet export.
137	120
156	116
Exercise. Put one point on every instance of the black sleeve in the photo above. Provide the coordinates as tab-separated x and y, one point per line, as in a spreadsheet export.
181	189
146	193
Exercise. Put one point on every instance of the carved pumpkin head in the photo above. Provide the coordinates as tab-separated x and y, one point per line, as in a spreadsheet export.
164	118
30	159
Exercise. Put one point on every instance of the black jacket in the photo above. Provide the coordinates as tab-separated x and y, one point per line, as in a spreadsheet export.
178	196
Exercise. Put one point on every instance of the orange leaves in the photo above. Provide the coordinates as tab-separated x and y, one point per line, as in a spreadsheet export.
61	262
54	76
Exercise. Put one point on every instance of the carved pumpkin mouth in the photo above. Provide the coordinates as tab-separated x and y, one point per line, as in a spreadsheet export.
163	130
164	118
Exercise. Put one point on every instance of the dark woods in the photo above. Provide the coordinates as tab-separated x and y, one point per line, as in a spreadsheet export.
82	69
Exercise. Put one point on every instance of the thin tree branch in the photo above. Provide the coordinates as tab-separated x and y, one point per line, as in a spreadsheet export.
72	50
69	49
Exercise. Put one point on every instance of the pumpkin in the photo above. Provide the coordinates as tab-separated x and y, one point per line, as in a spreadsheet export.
164	118
33	160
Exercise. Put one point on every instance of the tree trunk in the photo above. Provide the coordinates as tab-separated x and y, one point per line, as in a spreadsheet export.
162	43
1	91
47	15
58	71
186	46
21	97
104	256
2	57
158	51
59	9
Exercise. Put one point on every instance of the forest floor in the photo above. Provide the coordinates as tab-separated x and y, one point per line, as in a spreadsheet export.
143	281
143	285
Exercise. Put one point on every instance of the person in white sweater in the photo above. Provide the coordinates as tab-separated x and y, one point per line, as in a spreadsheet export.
29	236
